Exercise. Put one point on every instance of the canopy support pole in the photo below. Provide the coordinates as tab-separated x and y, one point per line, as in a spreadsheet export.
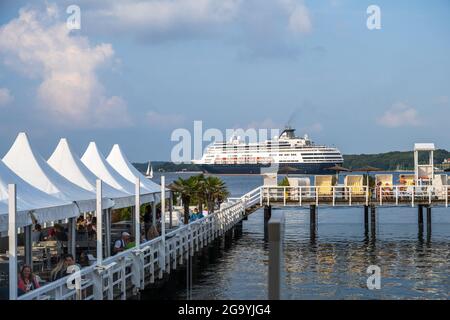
137	213
72	235
28	246
99	214
163	222
108	232
12	234
170	210
154	213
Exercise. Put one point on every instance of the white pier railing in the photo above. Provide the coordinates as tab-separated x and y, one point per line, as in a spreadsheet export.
354	195
124	274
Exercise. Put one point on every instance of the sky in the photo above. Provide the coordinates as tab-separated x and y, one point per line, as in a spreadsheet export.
137	70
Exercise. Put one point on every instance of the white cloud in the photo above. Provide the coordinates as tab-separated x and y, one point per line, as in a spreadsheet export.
41	46
5	97
300	18
159	20
399	115
162	16
161	120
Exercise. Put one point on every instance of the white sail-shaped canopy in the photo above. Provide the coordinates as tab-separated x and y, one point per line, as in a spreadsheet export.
68	164
120	163
30	200
32	168
94	160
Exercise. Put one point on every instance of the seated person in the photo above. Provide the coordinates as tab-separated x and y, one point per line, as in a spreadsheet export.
152	233
194	215
27	280
60	271
131	243
121	244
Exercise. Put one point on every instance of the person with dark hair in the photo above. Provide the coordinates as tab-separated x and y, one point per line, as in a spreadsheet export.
27	280
148	219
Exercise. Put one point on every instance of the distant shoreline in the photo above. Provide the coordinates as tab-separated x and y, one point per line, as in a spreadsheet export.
396	161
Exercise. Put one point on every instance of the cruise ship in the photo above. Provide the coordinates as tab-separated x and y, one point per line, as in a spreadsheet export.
284	154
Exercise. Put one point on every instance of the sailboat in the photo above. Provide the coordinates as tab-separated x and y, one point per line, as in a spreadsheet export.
149	173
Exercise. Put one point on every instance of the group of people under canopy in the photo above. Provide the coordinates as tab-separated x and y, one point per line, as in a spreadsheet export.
64	187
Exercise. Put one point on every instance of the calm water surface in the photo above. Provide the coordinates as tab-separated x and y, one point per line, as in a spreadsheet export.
333	264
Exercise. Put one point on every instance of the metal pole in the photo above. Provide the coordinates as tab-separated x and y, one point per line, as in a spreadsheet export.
137	213
28	246
163	221
72	235
99	214
275	228
12	234
108	232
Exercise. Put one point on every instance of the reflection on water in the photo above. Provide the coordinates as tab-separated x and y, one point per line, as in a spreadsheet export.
332	265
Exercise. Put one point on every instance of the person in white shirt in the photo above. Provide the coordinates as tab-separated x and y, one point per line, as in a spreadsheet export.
121	244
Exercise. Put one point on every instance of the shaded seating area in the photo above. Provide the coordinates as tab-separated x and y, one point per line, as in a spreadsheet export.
57	204
384	186
406	185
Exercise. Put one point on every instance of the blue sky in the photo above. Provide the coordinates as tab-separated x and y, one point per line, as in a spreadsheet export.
138	70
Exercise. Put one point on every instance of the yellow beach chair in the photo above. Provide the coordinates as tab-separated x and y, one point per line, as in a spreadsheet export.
324	185
355	184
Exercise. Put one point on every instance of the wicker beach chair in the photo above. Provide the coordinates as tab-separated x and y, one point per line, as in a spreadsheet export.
324	185
354	184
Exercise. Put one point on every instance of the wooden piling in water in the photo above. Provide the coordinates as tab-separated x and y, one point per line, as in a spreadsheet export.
366	219
428	221
312	221
420	217
267	215
373	220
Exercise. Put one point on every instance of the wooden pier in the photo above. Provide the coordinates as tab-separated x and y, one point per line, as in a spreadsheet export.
122	276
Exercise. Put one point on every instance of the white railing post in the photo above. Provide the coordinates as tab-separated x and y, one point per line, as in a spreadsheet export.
12	234
350	196
412	196
367	195
284	196
446	196
317	197
381	195
137	213
429	188
300	196
261	196
99	214
396	195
